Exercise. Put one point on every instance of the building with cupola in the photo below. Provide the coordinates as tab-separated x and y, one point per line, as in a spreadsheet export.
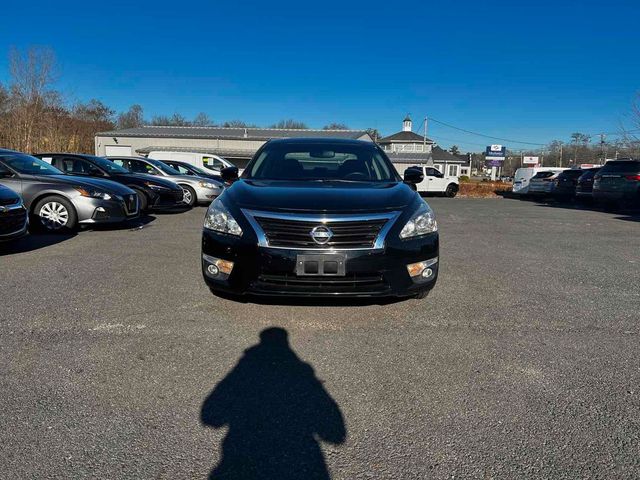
407	148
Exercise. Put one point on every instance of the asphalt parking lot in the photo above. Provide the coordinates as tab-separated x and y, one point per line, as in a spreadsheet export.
117	361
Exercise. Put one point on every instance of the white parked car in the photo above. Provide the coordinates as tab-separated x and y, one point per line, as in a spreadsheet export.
523	176
542	183
209	161
436	182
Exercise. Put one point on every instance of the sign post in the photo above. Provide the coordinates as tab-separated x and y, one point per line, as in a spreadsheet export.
495	155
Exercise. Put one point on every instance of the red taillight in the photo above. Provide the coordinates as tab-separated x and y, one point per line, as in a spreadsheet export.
633	177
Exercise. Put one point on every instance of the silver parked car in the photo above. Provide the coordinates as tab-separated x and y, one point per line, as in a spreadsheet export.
196	189
57	202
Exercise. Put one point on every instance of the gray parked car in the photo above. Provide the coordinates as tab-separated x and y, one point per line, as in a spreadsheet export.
57	202
196	189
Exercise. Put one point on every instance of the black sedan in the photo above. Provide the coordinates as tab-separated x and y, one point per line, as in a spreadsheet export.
565	184
584	187
13	214
320	217
153	193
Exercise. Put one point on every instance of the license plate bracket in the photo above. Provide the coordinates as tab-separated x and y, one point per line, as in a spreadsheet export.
325	265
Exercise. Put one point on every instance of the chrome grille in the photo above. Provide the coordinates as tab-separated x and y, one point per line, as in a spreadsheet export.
347	232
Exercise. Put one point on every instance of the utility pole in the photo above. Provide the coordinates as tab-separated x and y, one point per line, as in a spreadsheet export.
424	145
561	155
602	148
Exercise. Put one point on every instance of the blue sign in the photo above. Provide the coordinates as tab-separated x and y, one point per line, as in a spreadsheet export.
496	151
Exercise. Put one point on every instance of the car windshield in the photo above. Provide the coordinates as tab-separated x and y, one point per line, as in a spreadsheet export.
29	165
107	165
163	167
321	162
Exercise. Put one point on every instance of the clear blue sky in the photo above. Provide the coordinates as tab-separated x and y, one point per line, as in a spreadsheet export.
530	72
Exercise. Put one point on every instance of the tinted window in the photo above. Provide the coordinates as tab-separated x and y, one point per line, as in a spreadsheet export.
620	167
76	166
322	161
29	165
543	175
138	166
572	173
163	167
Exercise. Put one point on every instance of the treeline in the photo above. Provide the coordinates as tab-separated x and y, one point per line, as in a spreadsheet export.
35	117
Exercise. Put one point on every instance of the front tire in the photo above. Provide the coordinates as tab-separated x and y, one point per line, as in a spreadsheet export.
189	195
53	215
143	202
452	190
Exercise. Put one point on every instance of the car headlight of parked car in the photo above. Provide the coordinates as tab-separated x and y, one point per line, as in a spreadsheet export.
91	193
156	187
422	222
208	185
219	219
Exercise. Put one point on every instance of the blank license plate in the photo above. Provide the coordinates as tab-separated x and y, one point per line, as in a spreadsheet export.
325	265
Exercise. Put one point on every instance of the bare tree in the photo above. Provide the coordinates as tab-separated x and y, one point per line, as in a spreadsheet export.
31	93
374	134
235	124
132	118
290	124
335	126
202	120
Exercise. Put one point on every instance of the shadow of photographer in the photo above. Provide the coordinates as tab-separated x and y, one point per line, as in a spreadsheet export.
277	412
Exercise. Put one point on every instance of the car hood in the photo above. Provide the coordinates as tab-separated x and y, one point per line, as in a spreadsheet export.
143	177
89	182
7	194
306	196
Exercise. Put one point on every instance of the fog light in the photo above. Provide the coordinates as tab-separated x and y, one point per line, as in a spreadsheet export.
216	267
421	269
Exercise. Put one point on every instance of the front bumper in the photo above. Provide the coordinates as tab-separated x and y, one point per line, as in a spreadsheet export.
14	223
207	195
99	211
166	200
271	271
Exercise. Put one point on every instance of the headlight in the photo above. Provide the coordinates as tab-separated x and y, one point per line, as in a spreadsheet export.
155	186
219	219
91	193
421	223
208	185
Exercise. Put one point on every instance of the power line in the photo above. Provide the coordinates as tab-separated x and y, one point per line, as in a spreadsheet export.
483	135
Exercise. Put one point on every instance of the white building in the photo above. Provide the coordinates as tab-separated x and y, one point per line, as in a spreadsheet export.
235	144
406	148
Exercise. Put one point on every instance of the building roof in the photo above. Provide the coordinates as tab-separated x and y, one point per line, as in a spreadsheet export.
404	137
229	133
437	155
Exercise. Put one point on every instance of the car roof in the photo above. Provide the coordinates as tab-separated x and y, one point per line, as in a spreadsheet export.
6	150
319	141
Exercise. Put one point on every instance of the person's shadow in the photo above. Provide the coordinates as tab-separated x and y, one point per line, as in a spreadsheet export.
277	411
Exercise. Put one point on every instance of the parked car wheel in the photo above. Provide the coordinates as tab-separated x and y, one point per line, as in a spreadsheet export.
452	190
190	198
143	202
54	214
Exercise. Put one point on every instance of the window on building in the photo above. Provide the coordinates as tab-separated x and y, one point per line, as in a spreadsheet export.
453	170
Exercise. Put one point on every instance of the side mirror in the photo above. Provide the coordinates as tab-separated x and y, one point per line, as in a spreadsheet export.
229	174
413	176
